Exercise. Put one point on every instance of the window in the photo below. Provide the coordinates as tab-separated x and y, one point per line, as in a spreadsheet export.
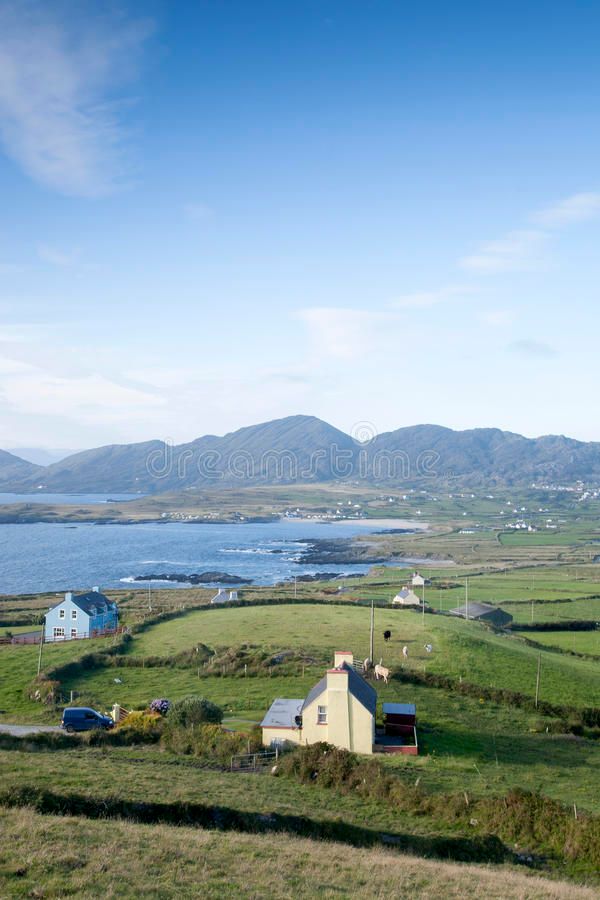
321	715
73	613
61	614
59	632
73	632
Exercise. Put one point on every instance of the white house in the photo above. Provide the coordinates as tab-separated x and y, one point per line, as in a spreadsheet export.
406	597
223	596
418	580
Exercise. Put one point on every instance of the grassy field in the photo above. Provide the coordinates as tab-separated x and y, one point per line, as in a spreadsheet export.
576	641
461	649
18	666
49	856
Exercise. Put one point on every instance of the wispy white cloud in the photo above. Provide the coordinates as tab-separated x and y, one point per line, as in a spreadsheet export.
343	333
497	318
532	349
577	208
61	69
425	299
516	251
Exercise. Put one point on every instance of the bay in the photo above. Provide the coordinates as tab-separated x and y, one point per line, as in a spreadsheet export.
57	557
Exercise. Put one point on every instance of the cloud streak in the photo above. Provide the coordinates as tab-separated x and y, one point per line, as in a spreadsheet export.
578	208
516	251
60	76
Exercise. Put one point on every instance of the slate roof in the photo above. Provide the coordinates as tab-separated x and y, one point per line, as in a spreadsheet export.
476	610
357	686
282	714
315	692
91	600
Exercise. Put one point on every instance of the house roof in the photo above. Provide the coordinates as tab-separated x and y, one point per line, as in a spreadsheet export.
358	687
399	709
282	713
315	692
476	610
407	594
92	600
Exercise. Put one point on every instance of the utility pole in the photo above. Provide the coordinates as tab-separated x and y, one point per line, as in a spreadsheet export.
40	653
467	599
372	641
537	680
423	603
149	596
295	587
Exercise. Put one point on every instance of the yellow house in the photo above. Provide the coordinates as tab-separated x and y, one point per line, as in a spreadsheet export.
340	710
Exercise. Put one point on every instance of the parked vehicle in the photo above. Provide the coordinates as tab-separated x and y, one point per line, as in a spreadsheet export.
82	718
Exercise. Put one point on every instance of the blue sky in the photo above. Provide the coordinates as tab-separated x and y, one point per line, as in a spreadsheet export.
217	213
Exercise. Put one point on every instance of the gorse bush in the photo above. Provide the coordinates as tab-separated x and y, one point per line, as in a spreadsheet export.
519	817
192	711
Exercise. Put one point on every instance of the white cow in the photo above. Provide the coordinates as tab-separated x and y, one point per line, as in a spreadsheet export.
382	672
405	652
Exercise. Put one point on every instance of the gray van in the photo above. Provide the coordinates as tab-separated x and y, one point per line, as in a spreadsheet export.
82	718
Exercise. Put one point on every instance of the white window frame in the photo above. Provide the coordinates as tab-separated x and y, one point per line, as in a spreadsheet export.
61	614
73	632
58	632
73	613
321	715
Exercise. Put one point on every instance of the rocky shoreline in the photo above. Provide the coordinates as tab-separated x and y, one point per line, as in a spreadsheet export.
195	578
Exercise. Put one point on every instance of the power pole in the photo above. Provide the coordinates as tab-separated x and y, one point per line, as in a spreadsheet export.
372	641
423	603
295	586
149	596
537	680
40	653
467	599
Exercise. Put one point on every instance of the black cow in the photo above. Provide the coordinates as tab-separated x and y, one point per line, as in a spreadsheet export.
387	635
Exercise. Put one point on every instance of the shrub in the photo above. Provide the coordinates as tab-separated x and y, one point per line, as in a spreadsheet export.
160	706
209	742
192	711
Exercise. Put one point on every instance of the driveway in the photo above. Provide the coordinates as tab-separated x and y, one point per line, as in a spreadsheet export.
24	730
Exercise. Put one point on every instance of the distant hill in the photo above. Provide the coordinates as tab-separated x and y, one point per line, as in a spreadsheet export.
306	449
15	469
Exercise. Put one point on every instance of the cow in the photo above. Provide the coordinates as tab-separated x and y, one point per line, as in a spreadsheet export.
382	672
387	635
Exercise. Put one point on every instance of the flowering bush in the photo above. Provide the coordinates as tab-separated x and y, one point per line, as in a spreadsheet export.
161	706
194	711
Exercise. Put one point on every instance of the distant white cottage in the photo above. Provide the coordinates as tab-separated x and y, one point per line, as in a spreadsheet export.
223	596
406	597
418	580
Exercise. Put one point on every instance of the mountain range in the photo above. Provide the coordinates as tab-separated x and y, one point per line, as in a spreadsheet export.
306	449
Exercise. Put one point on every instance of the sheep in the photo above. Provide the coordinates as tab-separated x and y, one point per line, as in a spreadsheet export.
387	635
382	672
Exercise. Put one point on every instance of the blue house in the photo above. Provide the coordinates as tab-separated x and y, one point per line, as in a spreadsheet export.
81	616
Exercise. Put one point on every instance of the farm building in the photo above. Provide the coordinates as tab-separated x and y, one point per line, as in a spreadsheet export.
483	612
81	616
406	597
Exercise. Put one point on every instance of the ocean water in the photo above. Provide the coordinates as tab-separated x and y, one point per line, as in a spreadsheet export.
66	499
59	557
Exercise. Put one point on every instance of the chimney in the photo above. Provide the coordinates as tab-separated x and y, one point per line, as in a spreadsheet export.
342	656
96	589
69	595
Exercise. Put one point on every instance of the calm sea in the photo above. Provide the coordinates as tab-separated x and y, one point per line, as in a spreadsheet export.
56	557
